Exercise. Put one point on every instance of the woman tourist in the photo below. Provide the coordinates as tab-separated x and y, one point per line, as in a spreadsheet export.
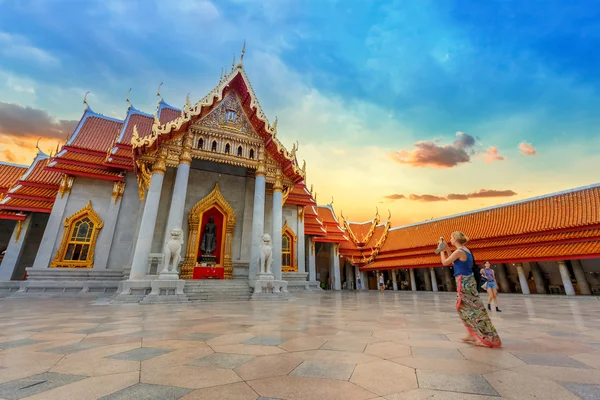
480	330
358	282
381	282
492	288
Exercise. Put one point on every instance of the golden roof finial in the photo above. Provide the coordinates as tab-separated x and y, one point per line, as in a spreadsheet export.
275	124
37	144
57	147
311	188
304	168
295	147
389	215
331	201
233	63
85	102
242	55
127	98
222	74
342	214
158	91
188	103
376	211
315	196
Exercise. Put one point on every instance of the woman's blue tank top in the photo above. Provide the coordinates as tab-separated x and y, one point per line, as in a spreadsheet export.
464	267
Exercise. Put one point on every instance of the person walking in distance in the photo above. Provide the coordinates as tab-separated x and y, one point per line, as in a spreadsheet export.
472	312
490	285
381	282
358	282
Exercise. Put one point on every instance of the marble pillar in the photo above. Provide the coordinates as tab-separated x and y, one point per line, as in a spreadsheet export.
540	285
364	278
301	244
566	278
55	222
522	279
449	280
394	280
258	217
277	226
349	276
334	266
584	286
413	282
356	276
434	285
427	279
503	284
14	251
105	238
177	208
312	265
139	264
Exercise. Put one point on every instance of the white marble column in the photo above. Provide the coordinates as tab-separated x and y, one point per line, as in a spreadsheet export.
566	278
434	285
427	279
139	264
14	251
334	269
394	280
413	282
301	246
55	222
540	286
105	238
312	265
177	207
364	278
258	216
584	286
522	279
276	236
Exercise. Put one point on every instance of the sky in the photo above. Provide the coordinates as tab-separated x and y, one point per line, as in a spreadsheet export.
423	108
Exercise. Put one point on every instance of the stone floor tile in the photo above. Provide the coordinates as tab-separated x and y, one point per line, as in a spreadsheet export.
388	350
520	386
203	337
434	352
71	348
221	360
469	383
384	377
247	349
90	388
97	329
427	394
143	391
550	360
565	374
190	377
342	357
302	388
442	365
17	343
585	391
141	354
265	341
268	366
324	370
345	345
303	344
233	391
494	357
35	384
590	359
234	338
177	357
427	336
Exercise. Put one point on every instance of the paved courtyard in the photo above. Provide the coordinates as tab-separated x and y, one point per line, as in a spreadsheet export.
321	346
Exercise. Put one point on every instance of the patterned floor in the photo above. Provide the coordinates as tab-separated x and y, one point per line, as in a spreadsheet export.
321	346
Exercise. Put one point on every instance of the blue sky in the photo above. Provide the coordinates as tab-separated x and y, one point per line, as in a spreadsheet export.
353	81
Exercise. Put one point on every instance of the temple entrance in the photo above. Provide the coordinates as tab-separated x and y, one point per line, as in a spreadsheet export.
208	254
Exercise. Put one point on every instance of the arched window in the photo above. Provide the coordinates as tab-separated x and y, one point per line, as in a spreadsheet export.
227	148
251	154
200	143
79	240
288	252
239	152
213	147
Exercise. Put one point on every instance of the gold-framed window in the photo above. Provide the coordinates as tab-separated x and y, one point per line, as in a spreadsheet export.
288	249
79	240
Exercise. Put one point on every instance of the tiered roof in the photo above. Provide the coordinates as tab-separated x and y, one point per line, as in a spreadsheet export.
312	224
334	233
557	226
34	191
9	175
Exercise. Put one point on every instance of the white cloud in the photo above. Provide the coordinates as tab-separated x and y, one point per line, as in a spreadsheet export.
19	47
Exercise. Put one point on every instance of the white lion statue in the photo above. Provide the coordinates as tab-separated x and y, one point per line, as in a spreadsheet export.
173	251
266	255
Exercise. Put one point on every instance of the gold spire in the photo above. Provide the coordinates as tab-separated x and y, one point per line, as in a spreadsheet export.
222	74
233	63
241	63
188	103
389	215
57	144
331	201
376	212
158	91
37	145
127	98
85	102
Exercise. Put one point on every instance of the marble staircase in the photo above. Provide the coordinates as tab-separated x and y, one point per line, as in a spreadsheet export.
218	290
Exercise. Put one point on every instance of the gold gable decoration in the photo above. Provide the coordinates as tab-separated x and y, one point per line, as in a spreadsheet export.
77	242
215	198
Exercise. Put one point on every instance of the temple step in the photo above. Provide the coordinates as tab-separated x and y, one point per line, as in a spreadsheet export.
218	290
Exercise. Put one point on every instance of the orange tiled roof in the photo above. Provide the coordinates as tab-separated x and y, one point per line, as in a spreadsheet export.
10	203
312	224
33	191
300	195
143	123
334	232
38	174
80	170
166	113
95	132
4	214
572	209
10	174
